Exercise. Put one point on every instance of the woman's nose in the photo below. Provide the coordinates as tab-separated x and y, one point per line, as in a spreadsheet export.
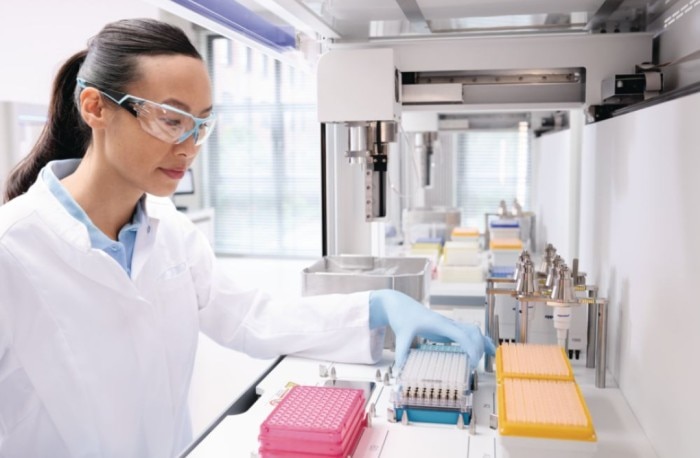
187	148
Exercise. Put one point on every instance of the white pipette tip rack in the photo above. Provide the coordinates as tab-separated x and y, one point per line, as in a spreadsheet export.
434	385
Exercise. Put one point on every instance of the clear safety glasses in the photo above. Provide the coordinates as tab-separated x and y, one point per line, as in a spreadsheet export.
160	120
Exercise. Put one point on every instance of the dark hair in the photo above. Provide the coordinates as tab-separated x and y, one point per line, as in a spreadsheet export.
110	61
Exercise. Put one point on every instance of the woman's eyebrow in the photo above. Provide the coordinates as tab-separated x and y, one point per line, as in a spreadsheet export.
184	107
177	104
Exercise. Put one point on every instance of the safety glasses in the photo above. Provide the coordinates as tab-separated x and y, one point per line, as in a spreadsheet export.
164	122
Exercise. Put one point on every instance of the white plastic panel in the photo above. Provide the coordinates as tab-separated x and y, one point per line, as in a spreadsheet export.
554	155
419	122
601	55
358	85
639	220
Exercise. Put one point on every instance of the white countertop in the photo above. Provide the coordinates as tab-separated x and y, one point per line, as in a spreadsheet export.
619	434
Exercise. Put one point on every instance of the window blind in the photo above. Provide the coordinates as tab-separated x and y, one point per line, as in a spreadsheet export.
491	165
263	164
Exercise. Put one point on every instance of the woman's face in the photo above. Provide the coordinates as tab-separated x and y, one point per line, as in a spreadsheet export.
141	160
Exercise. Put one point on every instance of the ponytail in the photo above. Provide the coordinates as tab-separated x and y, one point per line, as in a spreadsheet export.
111	61
65	135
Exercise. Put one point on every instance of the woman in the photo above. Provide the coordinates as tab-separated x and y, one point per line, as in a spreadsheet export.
105	285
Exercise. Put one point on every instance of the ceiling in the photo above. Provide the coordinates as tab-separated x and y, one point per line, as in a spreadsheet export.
341	21
352	20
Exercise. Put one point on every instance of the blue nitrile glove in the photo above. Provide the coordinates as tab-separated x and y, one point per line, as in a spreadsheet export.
408	318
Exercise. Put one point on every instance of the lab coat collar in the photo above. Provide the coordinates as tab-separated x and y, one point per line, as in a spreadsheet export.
77	240
59	220
143	247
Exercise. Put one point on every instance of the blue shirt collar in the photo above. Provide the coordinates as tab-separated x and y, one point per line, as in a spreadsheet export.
122	249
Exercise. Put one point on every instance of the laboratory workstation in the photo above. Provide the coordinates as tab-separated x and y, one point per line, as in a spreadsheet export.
524	171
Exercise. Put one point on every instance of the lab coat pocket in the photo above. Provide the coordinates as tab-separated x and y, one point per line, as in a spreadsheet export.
174	271
175	288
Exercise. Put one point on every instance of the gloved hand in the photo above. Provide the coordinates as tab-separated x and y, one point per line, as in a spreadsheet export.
409	318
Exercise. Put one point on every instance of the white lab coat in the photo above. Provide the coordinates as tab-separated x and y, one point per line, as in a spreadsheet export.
94	363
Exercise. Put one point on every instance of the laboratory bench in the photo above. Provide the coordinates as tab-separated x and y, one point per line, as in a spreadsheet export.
236	435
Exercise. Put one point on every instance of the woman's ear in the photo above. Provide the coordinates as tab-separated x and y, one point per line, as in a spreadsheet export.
93	109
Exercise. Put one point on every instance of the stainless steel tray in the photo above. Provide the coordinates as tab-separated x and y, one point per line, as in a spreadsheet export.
352	273
349	274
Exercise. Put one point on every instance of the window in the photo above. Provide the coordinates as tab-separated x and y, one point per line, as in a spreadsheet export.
263	168
492	165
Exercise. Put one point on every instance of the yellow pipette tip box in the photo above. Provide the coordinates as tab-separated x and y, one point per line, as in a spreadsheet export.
532	361
549	409
427	246
506	244
465	232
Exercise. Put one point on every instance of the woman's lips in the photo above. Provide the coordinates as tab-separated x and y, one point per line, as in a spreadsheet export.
174	174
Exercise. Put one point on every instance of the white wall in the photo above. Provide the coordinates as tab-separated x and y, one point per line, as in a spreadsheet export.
37	36
555	175
639	241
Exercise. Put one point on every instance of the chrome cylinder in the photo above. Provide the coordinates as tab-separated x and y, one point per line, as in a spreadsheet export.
525	283
524	256
547	258
384	131
601	344
425	147
591	330
503	209
521	321
497	331
359	140
553	271
563	290
490	322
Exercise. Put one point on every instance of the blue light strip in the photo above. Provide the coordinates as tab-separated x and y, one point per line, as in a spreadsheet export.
235	16
425	415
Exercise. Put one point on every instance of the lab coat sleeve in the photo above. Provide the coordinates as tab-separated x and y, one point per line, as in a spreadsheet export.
330	327
5	330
